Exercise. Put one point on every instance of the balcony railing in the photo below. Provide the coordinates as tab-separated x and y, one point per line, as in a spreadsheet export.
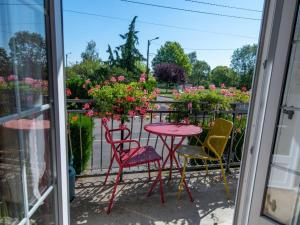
101	152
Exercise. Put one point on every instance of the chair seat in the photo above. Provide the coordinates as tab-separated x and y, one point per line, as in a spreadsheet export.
144	155
192	151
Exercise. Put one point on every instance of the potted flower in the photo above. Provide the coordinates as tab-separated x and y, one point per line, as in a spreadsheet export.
122	101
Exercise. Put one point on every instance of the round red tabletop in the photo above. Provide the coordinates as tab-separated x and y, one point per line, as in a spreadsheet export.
25	124
173	129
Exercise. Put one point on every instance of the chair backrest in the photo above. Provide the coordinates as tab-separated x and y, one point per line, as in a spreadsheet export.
221	127
109	139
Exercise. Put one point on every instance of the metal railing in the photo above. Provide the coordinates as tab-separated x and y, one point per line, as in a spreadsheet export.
101	152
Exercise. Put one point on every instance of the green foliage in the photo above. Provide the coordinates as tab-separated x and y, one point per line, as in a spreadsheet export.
223	75
81	129
243	63
172	52
4	62
78	88
200	73
87	69
90	53
28	51
127	56
108	71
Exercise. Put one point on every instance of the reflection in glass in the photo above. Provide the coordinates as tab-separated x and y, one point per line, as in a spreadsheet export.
45	213
281	201
23	56
11	195
36	133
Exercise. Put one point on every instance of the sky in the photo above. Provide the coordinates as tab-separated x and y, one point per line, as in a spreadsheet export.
213	37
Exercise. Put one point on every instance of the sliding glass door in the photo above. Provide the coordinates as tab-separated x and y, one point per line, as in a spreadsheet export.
28	188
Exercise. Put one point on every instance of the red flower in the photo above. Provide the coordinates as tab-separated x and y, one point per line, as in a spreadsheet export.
129	88
130	99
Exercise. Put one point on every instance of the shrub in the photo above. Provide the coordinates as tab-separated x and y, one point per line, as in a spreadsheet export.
171	73
81	152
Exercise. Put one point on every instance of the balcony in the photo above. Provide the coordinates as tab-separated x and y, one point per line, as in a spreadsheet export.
131	206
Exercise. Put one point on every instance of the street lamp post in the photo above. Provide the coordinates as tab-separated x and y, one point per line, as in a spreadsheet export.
148	47
69	53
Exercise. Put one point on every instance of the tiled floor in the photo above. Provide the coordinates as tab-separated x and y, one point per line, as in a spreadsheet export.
132	207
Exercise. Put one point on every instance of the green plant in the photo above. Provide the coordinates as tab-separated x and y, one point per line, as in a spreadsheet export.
123	100
80	140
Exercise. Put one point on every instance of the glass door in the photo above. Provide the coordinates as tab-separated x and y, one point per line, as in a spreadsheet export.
275	195
281	199
28	189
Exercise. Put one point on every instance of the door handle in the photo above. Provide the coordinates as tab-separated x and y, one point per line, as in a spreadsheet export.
290	111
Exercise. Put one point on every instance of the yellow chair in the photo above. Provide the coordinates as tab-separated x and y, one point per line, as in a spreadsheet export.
211	149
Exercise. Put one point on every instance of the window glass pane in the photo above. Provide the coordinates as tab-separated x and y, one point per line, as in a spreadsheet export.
23	61
11	193
281	201
45	213
36	134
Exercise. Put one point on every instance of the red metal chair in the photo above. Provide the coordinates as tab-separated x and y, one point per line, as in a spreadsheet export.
129	158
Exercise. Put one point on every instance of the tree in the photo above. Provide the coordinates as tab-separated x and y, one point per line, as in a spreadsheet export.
169	73
127	54
172	52
243	63
192	57
90	53
4	62
200	73
28	53
223	74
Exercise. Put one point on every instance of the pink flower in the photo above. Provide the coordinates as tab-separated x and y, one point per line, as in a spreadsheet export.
222	85
88	81
144	99
145	92
212	87
90	113
86	106
190	105
113	80
143	77
84	86
29	80
97	86
12	77
68	92
121	78
156	106
131	113
201	88
157	90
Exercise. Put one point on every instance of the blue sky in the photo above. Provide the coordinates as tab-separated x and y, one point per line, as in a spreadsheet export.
214	37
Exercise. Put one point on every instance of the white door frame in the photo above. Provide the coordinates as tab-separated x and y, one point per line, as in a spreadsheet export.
273	55
57	50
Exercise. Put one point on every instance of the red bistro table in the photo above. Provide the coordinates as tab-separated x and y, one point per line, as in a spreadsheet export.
173	130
